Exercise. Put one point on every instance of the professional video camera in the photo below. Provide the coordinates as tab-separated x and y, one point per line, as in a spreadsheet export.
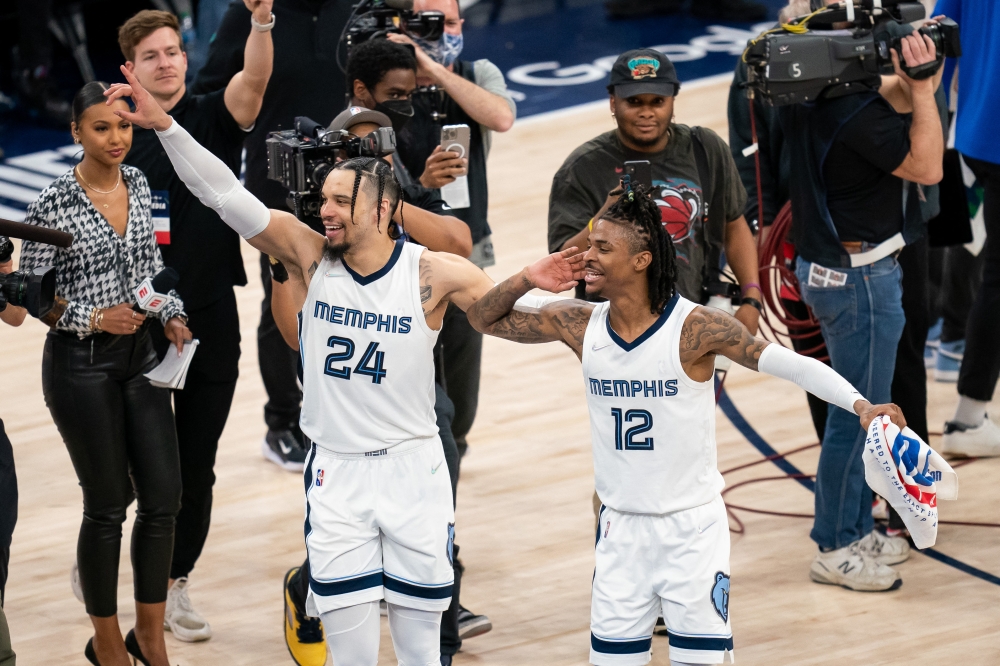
34	290
300	159
377	18
807	58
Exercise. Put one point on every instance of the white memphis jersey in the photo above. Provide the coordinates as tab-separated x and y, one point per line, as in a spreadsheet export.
652	427
367	356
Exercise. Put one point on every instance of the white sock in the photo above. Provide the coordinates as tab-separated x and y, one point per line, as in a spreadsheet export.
353	634
970	412
416	635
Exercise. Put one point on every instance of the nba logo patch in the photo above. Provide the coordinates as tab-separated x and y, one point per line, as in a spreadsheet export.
319	477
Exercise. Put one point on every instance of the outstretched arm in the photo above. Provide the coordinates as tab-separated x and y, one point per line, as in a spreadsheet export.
273	232
708	331
245	93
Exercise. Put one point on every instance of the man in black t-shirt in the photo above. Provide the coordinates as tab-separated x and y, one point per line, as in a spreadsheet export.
206	254
855	162
642	87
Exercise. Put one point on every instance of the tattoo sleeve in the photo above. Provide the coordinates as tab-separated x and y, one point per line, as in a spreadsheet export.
711	331
495	314
426	289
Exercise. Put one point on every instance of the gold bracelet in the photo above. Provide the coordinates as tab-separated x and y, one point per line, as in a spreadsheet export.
93	319
99	321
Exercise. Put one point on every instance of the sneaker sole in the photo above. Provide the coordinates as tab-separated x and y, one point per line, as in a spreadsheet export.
475	628
271	456
284	621
946	376
816	578
187	635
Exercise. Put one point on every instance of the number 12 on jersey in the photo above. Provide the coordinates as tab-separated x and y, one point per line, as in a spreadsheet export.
375	371
643	423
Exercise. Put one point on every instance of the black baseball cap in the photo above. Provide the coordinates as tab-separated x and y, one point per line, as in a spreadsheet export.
643	71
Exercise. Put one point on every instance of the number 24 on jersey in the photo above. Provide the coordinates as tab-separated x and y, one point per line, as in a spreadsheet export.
371	363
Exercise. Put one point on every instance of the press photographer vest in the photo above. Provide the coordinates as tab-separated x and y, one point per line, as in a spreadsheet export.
810	130
423	134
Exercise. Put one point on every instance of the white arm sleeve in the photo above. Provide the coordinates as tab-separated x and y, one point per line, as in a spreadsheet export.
818	378
213	183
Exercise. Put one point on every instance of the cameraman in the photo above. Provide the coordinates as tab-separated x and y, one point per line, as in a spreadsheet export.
206	254
473	94
305	82
12	316
854	211
970	431
642	88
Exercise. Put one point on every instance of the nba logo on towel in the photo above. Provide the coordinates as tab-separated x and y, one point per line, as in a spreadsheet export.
319	477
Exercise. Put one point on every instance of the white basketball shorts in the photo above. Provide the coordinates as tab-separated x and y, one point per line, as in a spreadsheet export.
676	564
379	525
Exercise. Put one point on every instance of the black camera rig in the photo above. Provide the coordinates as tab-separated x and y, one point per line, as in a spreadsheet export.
34	290
377	18
811	56
300	159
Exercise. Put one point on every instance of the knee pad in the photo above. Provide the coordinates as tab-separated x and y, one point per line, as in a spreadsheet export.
416	635
352	634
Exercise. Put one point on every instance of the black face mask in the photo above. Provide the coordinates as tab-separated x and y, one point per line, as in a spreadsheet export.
399	111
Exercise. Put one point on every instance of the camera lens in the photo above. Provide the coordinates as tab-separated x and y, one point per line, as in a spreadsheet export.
319	173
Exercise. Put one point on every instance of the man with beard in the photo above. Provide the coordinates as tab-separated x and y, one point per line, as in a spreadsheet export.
696	185
379	517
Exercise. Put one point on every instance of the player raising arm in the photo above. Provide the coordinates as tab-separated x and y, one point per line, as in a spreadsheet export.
648	363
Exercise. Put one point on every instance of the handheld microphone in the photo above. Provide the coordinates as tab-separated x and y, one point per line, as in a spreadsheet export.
38	234
151	294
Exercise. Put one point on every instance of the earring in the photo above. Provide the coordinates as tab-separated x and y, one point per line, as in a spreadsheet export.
76	139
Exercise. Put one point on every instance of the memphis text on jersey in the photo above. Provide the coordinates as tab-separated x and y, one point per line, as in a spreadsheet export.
363	320
625	388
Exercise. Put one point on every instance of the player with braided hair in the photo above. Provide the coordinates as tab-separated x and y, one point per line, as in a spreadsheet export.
648	363
380	183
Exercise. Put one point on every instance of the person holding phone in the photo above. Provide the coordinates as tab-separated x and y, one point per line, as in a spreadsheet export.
700	196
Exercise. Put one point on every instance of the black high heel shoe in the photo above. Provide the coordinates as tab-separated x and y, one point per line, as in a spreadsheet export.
89	653
132	645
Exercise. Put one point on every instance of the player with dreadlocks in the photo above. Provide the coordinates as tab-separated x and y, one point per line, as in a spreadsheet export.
648	364
379	513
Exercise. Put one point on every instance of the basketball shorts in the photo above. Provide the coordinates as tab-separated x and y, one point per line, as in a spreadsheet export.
379	525
676	564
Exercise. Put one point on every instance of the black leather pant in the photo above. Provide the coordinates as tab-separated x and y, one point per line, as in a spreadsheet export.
119	431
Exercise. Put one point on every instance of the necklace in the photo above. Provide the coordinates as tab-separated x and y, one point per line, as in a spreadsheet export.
117	183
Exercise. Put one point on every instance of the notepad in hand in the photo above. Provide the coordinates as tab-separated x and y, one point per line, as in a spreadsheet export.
172	371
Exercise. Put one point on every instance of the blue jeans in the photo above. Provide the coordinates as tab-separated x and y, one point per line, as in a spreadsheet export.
861	322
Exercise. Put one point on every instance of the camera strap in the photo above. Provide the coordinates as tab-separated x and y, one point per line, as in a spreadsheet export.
711	209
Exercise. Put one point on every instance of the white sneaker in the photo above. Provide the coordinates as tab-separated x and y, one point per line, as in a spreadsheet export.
74	582
885	549
980	442
181	618
851	568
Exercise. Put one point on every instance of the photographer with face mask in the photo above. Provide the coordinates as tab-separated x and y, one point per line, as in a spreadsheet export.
460	93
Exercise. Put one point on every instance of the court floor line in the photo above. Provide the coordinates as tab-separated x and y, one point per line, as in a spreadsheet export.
759	443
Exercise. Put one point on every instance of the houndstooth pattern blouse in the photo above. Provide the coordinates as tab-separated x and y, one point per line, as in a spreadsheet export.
100	269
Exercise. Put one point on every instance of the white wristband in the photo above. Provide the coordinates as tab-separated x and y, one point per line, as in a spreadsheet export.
262	27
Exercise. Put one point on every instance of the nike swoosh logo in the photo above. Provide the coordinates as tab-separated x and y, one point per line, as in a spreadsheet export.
435	469
597	346
701	530
284	447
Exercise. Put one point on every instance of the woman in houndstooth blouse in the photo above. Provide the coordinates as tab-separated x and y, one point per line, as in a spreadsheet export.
118	428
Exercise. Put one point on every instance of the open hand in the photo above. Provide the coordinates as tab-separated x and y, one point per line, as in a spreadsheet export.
868	412
443	167
557	272
425	64
121	320
177	332
147	112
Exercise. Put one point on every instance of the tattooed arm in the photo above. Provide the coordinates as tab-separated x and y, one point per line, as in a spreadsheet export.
708	332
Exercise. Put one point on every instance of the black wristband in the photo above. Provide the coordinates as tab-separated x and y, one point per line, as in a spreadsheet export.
752	301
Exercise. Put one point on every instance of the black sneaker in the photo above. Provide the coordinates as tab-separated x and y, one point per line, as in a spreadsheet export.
729	10
286	448
446	659
471	625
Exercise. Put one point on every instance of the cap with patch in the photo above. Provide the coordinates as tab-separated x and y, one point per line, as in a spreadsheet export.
643	71
355	115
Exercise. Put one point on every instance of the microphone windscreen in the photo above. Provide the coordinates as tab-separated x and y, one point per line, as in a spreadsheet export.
30	232
165	280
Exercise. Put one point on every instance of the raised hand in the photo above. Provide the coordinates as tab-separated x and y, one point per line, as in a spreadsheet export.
557	272
261	9
147	112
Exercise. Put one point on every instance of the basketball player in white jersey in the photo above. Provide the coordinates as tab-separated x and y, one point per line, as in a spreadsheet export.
379	516
648	365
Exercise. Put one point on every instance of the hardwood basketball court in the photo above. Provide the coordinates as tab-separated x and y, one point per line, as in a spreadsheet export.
525	522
